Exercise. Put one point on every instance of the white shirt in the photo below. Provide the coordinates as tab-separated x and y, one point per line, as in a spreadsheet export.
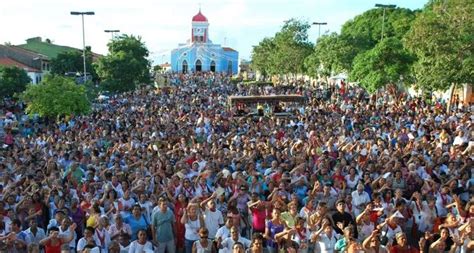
31	238
81	244
65	234
324	244
229	243
442	211
390	233
191	230
136	247
104	234
358	199
223	232
213	220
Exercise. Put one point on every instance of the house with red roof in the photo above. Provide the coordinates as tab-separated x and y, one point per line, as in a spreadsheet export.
35	64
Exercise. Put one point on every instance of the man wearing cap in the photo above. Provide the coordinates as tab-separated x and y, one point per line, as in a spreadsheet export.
343	219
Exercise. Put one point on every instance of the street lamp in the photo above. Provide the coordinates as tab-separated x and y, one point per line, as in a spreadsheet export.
319	24
112	32
384	6
90	13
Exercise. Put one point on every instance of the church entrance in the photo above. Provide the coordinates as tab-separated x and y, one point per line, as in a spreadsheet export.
185	67
213	66
198	66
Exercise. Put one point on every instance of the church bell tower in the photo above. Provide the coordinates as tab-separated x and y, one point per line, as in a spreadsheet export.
200	28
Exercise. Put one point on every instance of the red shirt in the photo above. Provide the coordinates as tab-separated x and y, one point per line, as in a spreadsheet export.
49	248
398	249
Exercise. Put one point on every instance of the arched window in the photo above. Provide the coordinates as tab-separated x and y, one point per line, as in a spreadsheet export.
198	66
185	67
213	66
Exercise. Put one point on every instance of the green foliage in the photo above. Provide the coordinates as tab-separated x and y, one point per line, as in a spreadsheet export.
72	61
125	66
157	68
385	64
12	80
292	47
334	54
367	27
56	96
261	56
284	53
442	38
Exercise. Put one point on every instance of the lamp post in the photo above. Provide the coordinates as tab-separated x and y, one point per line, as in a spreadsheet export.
112	32
319	24
90	13
384	6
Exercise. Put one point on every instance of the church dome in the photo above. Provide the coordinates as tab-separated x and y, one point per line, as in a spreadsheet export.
199	17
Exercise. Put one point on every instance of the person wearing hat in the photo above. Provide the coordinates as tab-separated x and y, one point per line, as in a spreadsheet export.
342	219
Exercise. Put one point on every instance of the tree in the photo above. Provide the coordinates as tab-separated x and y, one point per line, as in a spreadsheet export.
56	96
126	65
442	38
335	53
72	61
291	47
261	55
12	80
284	53
382	65
367	27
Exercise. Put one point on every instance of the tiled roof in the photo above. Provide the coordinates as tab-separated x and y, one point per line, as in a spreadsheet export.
7	62
229	49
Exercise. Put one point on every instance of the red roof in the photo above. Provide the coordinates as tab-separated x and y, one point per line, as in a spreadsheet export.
199	17
12	63
229	49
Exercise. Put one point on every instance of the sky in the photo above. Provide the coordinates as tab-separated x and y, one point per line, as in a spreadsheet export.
239	24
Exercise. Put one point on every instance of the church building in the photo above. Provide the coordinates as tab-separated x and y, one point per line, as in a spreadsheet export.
199	54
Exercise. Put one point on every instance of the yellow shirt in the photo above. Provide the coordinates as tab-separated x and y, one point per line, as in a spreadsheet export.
92	221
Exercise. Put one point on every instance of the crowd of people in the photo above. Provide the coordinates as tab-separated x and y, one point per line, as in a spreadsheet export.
174	169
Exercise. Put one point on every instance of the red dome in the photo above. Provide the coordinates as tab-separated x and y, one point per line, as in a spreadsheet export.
199	17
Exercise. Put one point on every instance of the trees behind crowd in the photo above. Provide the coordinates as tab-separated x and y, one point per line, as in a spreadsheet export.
431	48
12	80
125	66
56	96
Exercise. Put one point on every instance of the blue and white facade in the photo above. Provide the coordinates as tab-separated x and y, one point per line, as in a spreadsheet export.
199	54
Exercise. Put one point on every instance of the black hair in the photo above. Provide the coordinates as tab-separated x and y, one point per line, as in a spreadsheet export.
54	228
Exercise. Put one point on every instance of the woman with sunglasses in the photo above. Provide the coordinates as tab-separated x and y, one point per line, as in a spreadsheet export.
203	245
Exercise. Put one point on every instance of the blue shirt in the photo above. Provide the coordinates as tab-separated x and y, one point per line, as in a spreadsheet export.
163	224
135	224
